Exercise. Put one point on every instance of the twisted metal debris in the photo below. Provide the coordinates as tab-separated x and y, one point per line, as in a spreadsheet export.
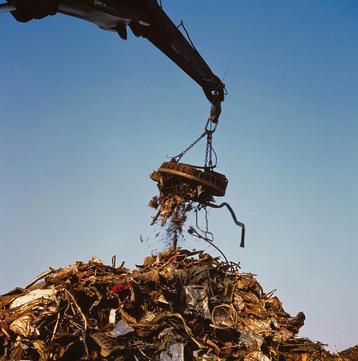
177	306
184	188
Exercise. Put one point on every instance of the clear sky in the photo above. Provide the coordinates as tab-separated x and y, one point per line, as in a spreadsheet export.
85	117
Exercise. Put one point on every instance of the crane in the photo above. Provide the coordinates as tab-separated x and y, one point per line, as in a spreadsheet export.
145	18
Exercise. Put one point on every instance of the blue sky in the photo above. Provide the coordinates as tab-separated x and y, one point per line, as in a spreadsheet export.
85	117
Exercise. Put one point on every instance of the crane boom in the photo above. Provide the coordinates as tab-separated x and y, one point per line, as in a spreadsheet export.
147	19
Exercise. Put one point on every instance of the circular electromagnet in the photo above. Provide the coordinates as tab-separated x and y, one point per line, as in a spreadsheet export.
213	182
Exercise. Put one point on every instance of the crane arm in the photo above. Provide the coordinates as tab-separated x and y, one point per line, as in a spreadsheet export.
145	18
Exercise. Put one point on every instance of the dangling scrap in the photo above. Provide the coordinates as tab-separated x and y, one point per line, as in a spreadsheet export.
184	187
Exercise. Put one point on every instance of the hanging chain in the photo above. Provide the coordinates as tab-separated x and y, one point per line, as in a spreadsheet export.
180	155
210	128
209	151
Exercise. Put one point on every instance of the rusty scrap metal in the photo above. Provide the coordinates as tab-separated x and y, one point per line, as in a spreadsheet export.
178	305
184	188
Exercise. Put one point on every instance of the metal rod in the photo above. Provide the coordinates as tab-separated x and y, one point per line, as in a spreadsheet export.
5	8
237	222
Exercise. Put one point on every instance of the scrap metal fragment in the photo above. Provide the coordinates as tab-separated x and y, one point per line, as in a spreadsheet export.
175	352
197	300
256	356
121	328
23	326
224	315
107	344
47	294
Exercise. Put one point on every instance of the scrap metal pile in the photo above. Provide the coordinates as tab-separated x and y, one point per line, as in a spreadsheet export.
178	306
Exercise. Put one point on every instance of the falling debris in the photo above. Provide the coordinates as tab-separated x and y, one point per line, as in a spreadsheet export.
178	306
184	188
180	186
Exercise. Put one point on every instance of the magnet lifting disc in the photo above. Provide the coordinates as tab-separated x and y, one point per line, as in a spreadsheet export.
214	182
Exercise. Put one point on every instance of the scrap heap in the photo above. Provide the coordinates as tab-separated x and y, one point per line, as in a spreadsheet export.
178	306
